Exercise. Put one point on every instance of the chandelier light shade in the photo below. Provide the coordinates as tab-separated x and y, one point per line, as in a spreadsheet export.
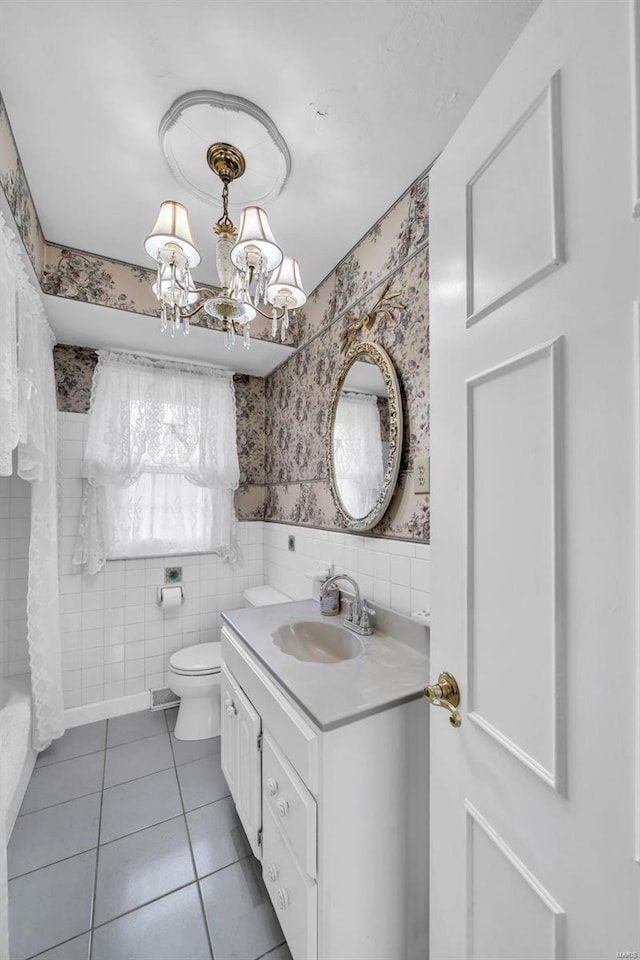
251	266
255	235
172	227
285	292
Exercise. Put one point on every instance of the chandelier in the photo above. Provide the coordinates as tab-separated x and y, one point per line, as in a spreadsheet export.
251	266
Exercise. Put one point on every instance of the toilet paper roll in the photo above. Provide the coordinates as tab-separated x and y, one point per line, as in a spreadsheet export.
170	597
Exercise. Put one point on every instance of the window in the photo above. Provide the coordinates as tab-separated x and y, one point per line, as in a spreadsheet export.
161	462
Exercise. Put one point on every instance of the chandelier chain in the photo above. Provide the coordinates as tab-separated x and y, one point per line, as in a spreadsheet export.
224	220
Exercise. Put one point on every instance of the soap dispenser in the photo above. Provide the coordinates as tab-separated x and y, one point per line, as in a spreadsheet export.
330	605
330	600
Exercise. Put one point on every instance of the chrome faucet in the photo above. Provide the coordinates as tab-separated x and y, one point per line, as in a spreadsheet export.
358	613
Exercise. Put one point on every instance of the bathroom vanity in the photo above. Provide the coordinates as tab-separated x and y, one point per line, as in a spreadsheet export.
325	750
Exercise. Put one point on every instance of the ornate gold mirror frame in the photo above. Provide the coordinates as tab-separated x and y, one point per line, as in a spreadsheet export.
371	352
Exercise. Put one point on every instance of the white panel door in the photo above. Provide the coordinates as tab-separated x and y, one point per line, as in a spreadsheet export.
535	407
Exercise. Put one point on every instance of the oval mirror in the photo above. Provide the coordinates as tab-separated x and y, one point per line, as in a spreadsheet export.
365	435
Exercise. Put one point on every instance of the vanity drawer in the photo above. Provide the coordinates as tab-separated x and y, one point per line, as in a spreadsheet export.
294	896
291	804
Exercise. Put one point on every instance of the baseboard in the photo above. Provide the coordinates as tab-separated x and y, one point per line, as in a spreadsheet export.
105	709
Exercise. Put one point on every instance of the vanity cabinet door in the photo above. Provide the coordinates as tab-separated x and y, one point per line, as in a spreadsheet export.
241	757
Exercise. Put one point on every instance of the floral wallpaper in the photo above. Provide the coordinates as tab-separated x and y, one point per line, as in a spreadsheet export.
74	368
298	393
16	189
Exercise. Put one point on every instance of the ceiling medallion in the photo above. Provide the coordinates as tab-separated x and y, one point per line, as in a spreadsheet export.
251	266
186	130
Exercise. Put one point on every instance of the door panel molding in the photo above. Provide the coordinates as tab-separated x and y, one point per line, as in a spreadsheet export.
634	9
554	773
557	917
550	99
636	365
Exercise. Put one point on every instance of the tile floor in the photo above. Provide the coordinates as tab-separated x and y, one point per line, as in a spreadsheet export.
128	847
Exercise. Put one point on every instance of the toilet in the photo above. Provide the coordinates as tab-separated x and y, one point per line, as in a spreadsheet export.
194	675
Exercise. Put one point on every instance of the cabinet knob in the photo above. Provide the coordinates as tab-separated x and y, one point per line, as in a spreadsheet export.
272	786
231	710
282	897
282	807
272	872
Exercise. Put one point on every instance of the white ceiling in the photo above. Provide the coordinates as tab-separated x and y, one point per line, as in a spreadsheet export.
365	92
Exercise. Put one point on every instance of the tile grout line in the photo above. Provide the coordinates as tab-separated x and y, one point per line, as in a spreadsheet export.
62	943
162	896
193	858
59	803
95	875
45	766
271	949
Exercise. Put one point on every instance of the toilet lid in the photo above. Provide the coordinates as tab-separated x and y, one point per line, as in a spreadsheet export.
198	658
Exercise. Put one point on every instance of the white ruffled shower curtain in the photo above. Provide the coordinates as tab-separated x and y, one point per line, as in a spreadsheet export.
28	421
161	462
357	452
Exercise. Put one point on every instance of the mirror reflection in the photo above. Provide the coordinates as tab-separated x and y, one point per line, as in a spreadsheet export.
360	439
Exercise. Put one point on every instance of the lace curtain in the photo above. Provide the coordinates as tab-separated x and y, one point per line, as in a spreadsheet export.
28	402
161	462
357	452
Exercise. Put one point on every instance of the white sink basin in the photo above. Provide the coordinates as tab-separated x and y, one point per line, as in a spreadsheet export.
317	642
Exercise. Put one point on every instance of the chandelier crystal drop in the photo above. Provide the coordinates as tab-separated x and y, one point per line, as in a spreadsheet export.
251	266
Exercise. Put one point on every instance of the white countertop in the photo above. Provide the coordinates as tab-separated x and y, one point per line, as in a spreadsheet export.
388	672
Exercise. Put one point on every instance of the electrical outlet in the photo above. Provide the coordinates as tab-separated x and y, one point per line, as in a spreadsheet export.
291	543
422	475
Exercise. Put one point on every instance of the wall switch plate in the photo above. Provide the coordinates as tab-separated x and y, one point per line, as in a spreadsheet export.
291	543
422	475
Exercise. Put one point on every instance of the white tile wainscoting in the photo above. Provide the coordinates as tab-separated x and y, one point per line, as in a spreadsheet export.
116	640
393	573
15	503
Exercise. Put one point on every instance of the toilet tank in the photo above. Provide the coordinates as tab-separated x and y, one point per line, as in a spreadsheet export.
264	596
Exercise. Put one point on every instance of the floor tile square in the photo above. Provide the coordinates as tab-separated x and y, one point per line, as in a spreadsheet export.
137	759
185	751
242	922
201	782
50	905
76	949
142	867
76	742
62	781
139	803
166	929
217	836
53	833
135	726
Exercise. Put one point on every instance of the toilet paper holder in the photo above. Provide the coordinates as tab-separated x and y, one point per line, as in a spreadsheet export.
169	586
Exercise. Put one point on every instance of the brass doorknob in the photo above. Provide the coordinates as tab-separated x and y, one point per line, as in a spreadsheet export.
445	693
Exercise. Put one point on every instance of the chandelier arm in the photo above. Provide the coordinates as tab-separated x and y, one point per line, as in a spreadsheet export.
269	316
187	316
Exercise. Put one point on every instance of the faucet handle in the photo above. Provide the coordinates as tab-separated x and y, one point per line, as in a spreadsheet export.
366	612
348	617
